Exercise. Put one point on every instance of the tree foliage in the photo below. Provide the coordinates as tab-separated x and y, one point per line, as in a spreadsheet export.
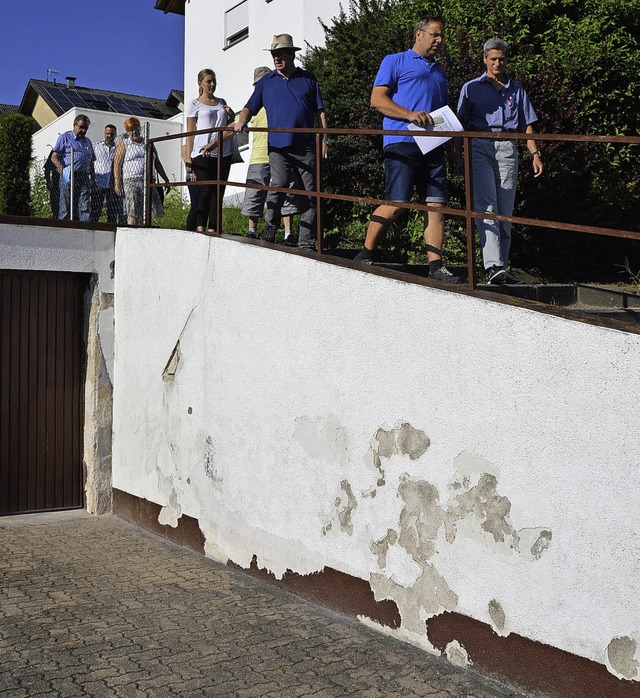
578	60
15	157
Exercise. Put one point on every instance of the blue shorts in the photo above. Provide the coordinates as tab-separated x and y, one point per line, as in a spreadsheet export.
405	167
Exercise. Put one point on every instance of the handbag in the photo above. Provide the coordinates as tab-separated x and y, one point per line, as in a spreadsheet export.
236	157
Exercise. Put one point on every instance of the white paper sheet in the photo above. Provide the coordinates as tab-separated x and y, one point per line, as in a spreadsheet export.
443	120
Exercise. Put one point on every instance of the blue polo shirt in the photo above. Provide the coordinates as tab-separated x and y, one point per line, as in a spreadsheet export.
483	108
290	103
414	83
83	154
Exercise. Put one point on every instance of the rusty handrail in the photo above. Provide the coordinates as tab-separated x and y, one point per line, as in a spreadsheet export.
468	213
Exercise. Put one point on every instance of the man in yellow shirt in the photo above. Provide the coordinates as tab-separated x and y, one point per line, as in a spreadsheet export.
260	173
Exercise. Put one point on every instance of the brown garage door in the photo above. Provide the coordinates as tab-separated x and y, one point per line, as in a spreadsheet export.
41	389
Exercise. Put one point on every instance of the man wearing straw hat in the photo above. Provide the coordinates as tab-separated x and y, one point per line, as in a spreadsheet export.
291	97
259	172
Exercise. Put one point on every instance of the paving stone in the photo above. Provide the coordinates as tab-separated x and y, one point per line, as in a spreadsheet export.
92	606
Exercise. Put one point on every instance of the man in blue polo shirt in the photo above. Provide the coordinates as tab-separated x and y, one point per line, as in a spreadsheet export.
497	103
75	142
407	87
291	98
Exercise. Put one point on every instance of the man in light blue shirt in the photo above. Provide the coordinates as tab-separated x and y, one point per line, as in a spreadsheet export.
75	141
496	103
408	86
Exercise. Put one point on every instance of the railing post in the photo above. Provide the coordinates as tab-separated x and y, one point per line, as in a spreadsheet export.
219	185
319	237
468	187
148	171
72	181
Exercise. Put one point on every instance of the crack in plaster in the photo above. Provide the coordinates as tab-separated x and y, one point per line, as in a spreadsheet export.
208	461
169	372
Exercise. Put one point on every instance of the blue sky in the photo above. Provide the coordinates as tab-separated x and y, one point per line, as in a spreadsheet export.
123	45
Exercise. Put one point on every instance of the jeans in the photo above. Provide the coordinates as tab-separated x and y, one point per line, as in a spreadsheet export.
81	197
495	176
115	209
290	165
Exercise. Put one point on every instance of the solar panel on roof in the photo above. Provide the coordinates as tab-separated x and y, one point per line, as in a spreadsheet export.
76	99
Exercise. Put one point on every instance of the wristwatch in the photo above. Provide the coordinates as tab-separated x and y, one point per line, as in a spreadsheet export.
536	152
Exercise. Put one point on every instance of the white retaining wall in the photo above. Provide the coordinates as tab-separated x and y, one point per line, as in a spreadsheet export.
457	453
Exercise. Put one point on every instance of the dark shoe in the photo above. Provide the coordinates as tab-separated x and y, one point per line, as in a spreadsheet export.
512	280
269	234
497	276
290	241
251	235
443	274
365	256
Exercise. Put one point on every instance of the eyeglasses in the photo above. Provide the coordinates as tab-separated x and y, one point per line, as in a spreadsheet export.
435	35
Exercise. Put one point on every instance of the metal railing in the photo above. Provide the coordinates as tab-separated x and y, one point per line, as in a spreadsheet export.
467	212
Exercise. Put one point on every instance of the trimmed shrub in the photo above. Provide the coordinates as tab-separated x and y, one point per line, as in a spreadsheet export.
16	131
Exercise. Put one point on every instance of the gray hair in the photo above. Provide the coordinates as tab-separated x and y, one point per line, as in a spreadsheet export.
495	44
424	21
82	117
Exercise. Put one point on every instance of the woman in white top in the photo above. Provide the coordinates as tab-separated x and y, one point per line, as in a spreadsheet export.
208	111
128	172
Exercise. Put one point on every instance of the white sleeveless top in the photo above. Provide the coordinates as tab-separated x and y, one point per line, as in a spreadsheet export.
208	117
133	165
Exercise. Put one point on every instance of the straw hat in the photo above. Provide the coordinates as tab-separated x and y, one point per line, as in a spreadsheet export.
260	73
282	41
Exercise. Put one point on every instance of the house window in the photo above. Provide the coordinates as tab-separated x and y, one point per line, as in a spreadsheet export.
236	24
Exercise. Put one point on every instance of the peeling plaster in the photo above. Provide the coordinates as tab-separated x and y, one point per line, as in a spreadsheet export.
420	518
344	505
457	655
404	440
543	541
381	548
623	659
475	510
483	503
169	372
418	640
345	510
170	514
498	617
429	596
326	439
173	363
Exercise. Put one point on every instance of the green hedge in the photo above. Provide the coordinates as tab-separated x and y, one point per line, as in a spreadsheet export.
578	60
15	158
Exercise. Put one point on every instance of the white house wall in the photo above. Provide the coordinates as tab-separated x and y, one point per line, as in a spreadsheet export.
457	453
205	46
